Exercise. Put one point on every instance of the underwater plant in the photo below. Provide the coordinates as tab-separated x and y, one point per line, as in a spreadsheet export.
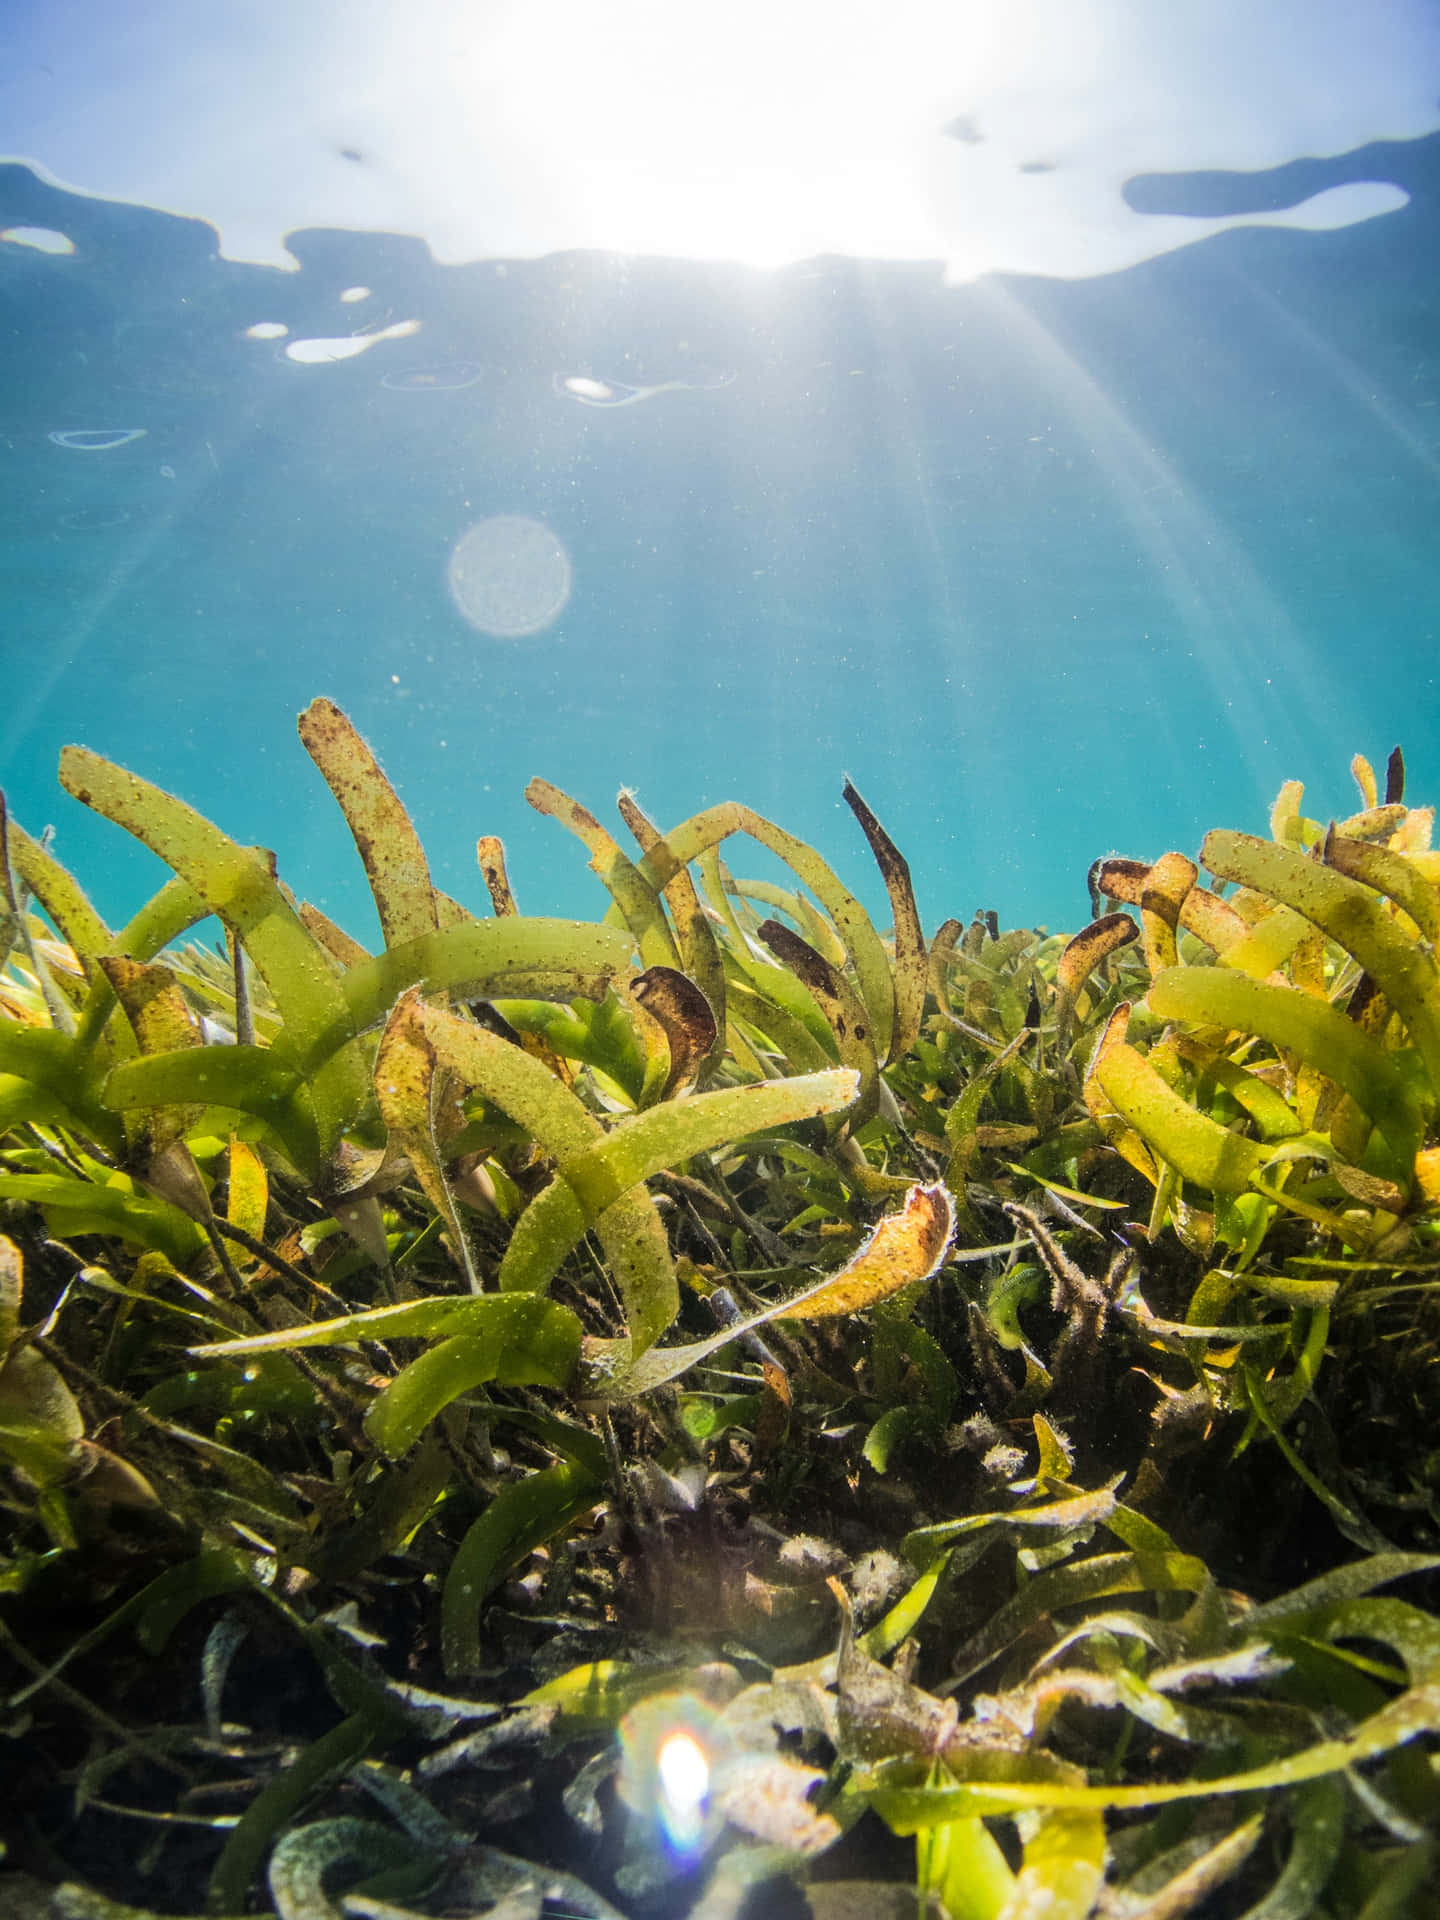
633	1416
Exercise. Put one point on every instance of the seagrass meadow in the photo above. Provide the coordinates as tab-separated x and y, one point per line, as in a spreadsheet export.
726	1410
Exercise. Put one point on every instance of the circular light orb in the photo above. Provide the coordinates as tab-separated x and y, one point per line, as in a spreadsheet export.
509	576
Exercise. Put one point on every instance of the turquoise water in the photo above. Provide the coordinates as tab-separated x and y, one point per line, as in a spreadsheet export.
1048	567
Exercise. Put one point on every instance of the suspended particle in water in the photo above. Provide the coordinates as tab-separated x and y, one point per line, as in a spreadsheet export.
452	377
95	519
509	576
39	239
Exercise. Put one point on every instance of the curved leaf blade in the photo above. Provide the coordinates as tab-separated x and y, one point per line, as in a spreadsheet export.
237	884
521	1517
545	1356
1320	1034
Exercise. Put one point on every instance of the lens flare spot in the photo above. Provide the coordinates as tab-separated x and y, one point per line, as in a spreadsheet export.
672	1748
683	1767
509	576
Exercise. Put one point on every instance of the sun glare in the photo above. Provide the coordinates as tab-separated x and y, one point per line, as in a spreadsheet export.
990	135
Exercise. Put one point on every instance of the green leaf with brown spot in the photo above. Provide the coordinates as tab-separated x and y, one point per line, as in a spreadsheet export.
863	944
384	835
1195	1146
910	957
40	1422
79	1206
1343	908
408	1091
49	1076
486	959
842	1007
237	884
594	1181
905	1248
258	1081
1318	1033
502	1319
1414	1635
632	889
58	892
1390	873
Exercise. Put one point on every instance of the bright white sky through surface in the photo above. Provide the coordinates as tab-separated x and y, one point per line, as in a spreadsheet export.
761	131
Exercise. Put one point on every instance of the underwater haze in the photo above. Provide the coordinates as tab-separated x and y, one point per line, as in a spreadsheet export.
1041	428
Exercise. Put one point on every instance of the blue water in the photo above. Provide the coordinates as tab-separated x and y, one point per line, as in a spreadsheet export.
1049	568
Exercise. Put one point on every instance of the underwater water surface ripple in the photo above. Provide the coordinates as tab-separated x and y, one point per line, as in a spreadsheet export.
1038	562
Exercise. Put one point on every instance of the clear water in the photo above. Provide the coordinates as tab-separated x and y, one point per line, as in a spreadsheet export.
1049	567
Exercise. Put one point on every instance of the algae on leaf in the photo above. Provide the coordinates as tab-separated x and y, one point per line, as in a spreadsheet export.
385	838
238	885
890	1378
